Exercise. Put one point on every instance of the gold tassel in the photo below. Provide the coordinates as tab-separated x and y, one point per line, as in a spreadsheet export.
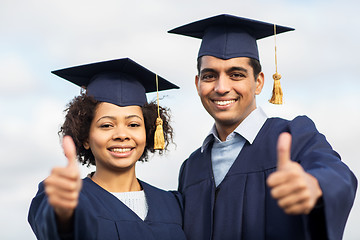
159	140
277	94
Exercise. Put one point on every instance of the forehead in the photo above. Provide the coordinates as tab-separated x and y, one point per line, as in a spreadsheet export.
218	63
109	109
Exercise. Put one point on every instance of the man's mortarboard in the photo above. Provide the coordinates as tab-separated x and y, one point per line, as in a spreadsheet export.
122	82
225	36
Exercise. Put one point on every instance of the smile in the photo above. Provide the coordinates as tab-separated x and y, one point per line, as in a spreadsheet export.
223	103
120	150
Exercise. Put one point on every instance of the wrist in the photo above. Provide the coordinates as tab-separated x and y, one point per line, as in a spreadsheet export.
64	220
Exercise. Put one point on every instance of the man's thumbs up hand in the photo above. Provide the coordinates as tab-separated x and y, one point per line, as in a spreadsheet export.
295	190
283	151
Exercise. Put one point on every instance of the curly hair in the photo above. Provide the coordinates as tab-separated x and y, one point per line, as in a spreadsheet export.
80	112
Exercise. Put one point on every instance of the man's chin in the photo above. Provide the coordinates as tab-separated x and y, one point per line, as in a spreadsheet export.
227	121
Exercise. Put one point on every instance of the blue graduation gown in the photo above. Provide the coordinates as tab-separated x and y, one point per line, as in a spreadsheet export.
241	207
100	215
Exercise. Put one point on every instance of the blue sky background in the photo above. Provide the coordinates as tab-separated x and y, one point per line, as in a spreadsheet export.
318	61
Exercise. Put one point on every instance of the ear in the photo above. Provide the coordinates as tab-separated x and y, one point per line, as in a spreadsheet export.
197	83
259	83
86	145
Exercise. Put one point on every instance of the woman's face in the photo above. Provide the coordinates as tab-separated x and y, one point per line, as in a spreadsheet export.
117	137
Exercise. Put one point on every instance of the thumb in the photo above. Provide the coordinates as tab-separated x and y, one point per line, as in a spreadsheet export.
69	150
283	149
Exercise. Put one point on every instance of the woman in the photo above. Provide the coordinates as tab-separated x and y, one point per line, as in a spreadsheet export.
113	127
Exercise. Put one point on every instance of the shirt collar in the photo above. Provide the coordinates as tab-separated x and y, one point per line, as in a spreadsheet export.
248	129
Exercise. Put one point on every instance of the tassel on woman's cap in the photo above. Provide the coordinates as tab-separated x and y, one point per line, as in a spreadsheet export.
159	140
277	94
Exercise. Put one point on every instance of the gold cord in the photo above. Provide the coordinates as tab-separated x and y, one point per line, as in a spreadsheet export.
275	47
157	91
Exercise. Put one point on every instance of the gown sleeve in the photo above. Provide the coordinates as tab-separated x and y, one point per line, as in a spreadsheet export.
42	217
43	222
338	184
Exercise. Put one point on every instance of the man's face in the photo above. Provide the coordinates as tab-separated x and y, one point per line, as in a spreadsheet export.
227	89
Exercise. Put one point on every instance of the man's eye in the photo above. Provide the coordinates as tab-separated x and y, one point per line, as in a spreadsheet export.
208	77
237	75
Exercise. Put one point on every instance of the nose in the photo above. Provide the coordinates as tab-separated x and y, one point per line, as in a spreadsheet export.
222	85
120	134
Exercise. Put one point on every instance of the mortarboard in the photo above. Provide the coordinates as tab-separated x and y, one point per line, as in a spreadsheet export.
122	82
225	36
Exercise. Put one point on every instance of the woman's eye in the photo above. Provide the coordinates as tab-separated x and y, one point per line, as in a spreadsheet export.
134	125
106	125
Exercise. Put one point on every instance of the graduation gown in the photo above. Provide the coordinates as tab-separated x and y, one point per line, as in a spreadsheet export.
241	207
100	215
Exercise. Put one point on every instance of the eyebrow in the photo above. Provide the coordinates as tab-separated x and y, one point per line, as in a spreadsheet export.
114	118
237	69
111	117
206	70
133	116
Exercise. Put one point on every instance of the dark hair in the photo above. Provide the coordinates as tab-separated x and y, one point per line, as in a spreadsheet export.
255	64
80	112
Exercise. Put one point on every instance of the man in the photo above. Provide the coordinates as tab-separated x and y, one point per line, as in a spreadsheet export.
256	177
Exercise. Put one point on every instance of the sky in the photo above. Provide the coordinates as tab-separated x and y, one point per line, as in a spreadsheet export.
318	63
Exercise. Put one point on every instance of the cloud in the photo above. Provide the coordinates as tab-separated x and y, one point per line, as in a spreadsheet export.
16	75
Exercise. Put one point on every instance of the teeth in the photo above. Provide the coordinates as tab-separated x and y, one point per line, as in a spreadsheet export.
120	150
223	103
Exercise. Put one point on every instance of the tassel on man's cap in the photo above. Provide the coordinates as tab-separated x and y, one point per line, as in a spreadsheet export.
277	94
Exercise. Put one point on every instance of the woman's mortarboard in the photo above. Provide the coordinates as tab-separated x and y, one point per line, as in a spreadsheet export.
122	82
